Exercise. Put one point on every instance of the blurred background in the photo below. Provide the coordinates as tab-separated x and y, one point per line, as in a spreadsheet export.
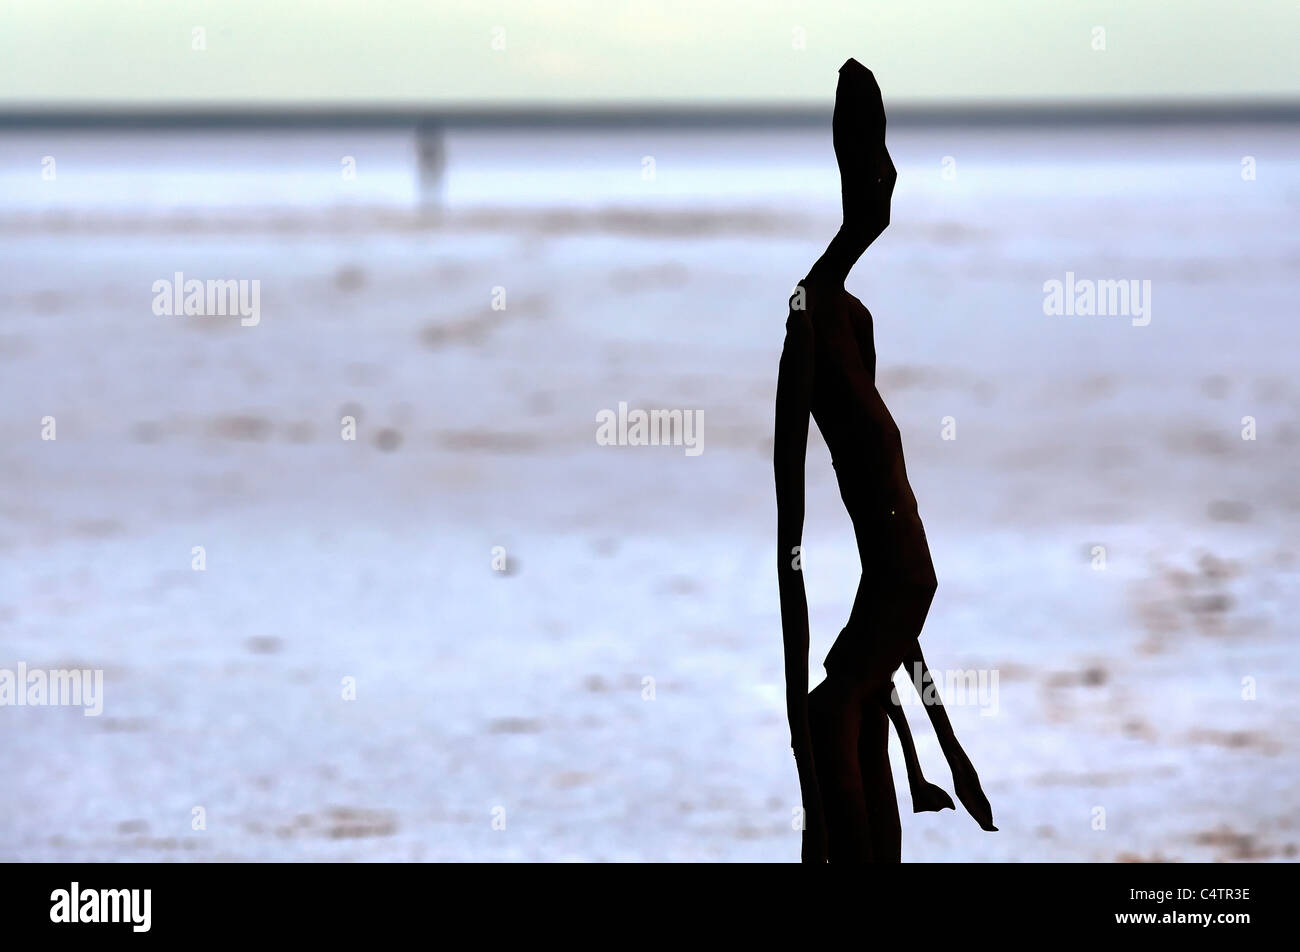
472	632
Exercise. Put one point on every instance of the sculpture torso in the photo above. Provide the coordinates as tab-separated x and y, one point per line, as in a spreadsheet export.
864	441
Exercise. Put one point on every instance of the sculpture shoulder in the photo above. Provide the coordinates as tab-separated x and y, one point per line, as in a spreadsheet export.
798	328
853	306
798	356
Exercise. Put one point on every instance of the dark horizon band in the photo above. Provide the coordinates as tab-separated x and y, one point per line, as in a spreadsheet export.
162	116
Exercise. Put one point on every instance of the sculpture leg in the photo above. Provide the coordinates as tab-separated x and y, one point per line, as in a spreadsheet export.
878	785
834	714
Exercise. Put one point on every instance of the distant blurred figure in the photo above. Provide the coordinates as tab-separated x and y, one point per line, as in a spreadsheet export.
431	163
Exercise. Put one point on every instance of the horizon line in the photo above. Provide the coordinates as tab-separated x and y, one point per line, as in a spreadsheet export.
660	115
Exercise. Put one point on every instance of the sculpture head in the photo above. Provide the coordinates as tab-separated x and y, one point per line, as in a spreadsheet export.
867	173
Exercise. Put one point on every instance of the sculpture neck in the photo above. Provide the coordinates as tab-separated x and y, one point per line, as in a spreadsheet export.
831	269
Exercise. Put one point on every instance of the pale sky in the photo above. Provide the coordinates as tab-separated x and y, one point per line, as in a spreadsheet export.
610	52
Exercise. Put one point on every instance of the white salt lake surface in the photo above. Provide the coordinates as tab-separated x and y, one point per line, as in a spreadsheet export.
1119	689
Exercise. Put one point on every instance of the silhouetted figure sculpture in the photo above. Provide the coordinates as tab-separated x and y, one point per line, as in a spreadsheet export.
840	731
